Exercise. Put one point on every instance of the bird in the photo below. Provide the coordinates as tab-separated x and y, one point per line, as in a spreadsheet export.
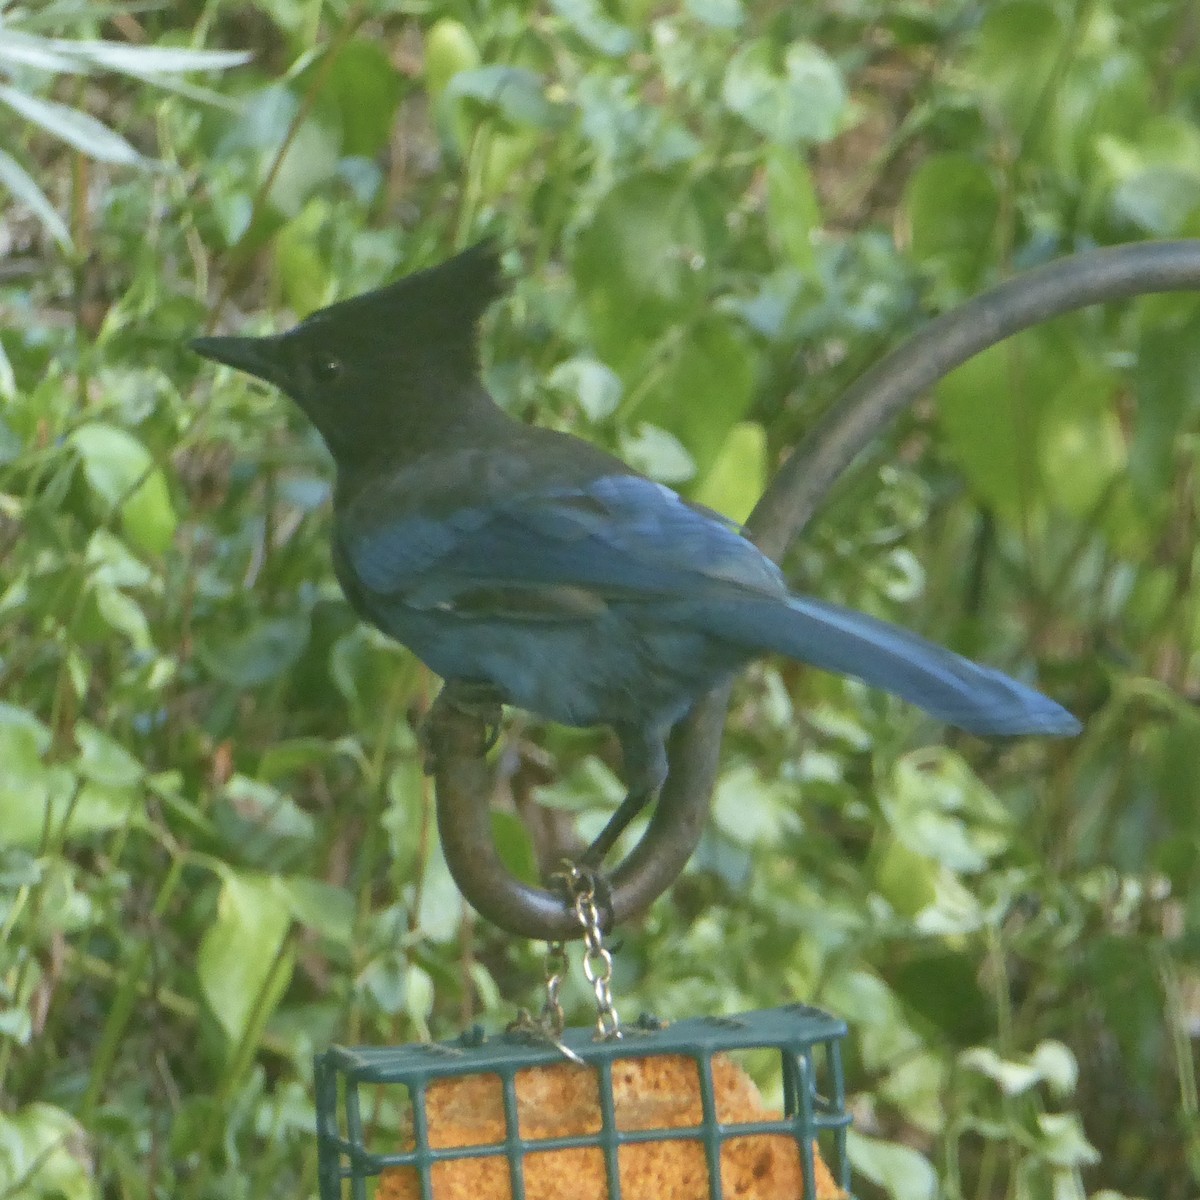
529	567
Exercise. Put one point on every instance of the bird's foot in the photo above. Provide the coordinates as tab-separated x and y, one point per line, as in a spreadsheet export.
474	698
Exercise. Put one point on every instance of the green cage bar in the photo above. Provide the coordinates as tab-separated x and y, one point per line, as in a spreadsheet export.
806	1040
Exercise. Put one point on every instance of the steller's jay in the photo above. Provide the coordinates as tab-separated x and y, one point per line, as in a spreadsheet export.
531	567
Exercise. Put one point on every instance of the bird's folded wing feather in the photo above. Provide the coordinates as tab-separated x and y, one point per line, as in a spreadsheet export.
567	550
560	545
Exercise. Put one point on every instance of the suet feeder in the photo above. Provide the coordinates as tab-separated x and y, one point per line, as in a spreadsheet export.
662	1111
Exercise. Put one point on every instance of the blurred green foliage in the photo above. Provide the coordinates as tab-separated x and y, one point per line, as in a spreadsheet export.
216	847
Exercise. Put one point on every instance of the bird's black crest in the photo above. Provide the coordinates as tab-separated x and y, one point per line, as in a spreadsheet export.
440	303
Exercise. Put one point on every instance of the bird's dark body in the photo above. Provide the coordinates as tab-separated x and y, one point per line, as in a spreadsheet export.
539	565
459	557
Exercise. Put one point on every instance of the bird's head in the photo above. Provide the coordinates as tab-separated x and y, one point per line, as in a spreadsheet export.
381	366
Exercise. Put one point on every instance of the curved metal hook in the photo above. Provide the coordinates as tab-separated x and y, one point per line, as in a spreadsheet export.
462	777
464	825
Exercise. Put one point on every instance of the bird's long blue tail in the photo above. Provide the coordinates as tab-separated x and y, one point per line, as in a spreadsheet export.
946	685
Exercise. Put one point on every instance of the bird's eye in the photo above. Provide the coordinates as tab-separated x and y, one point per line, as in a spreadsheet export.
327	368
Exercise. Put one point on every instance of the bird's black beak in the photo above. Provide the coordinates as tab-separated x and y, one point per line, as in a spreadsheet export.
257	356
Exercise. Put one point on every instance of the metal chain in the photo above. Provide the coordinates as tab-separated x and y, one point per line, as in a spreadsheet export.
548	1025
552	1016
580	887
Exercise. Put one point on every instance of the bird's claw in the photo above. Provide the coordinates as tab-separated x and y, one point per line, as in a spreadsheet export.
475	699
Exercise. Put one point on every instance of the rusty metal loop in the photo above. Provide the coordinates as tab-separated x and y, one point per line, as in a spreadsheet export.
462	776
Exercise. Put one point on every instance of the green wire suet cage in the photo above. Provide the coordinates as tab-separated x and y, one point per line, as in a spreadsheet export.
362	1089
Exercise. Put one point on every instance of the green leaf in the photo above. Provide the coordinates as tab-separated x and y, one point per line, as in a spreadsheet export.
101	807
937	805
989	427
904	877
148	516
239	949
365	89
588	20
952	205
658	453
799	99
792	206
43	1155
150	60
37	732
512	93
321	906
76	128
123	614
1158	201
904	1173
738	476
639	264
515	847
16	1024
1063	1141
750	809
720	14
25	50
702	388
1174	768
365	666
505	156
595	386
103	760
382	979
941	987
1167	385
439	916
1147	609
1105	95
26	783
10	443
1017	48
309	164
24	188
300	268
35	797
589	784
113	564
293	755
263	121
257	655
449	49
264	824
122	473
418	996
1013	1078
1057	1065
1082	443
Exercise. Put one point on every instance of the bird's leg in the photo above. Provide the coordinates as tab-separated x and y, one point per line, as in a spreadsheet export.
644	754
616	825
475	697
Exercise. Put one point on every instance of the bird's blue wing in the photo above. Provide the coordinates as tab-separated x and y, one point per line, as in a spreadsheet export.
564	552
616	535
